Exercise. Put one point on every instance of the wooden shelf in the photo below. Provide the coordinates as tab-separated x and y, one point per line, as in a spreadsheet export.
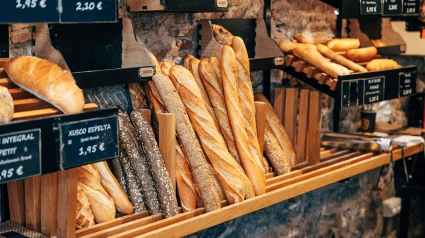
335	166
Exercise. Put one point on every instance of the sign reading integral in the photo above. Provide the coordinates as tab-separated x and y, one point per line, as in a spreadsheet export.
20	155
88	141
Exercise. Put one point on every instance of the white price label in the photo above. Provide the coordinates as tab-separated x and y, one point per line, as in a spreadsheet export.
28	4
88	6
371	10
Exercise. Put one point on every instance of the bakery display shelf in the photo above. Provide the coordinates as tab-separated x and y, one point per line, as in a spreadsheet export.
178	5
347	9
263	52
334	166
356	89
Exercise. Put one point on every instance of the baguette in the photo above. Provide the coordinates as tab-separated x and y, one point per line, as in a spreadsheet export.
379	43
246	98
47	81
214	88
278	130
289	46
229	172
316	59
230	86
162	180
362	54
206	59
222	35
119	174
274	153
85	217
166	66
111	185
102	204
325	51
194	69
343	44
186	61
6	105
302	39
155	61
137	96
199	166
216	65
382	64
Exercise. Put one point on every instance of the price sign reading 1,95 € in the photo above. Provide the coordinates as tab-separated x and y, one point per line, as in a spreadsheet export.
88	141
20	155
20	11
370	7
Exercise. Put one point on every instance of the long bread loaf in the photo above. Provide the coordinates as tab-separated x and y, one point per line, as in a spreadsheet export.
84	216
339	58
275	154
6	105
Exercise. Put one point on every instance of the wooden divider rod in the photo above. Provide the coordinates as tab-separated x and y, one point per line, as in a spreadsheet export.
301	145
16	194
260	116
314	128
32	203
167	143
291	106
147	113
67	202
49	204
279	103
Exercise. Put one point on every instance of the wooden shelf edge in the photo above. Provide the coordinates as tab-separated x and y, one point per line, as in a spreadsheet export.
228	213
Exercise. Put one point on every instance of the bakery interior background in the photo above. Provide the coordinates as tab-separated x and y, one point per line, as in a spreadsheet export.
342	210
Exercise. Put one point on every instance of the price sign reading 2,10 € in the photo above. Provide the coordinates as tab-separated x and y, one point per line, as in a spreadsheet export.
370	7
20	155
88	141
87	11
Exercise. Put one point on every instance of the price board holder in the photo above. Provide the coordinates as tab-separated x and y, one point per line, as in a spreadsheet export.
20	155
88	141
393	7
370	7
411	7
407	84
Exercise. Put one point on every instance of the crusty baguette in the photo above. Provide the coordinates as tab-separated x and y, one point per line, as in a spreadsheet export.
216	65
325	51
246	99
137	96
230	87
214	88
222	35
302	39
343	44
155	61
361	55
379	43
118	172
146	136
289	46
382	64
274	153
206	59
316	59
6	105
102	204
190	143
230	174
84	218
194	69
186	61
166	66
111	185
278	130
47	81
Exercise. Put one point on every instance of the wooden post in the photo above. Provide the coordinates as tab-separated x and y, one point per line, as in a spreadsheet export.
291	106
32	203
279	103
301	145
147	113
16	194
314	128
167	143
260	116
49	204
67	202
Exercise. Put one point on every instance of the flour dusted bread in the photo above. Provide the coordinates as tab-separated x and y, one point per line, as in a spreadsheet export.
47	81
6	105
84	218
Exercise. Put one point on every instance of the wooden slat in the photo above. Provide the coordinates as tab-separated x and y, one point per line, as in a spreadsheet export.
291	106
327	152
19	93
16	195
167	143
279	103
49	204
300	66
283	177
322	149
22	105
314	127
7	83
260	119
147	113
33	203
46	112
269	175
299	166
67	202
300	146
3	62
3	73
334	154
289	60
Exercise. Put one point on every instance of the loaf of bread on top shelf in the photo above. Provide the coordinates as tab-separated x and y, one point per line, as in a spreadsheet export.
47	81
186	61
289	46
222	35
302	39
325	51
343	44
361	55
6	105
382	64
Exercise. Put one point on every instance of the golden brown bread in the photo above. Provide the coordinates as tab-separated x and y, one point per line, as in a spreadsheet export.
361	55
137	96
230	87
246	99
84	218
186	61
289	46
302	39
379	43
102	204
278	130
166	66
343	44
325	51
206	59
382	64
47	81
155	61
191	146
222	35
6	105
274	153
231	176
216	65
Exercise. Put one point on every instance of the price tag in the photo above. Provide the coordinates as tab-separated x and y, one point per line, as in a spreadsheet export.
20	11
370	7
88	141
393	7
407	84
374	89
411	7
89	11
20	155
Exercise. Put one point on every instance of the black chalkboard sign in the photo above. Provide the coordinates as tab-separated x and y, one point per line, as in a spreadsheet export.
411	7
89	11
88	141
393	7
407	84
374	90
370	7
20	155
